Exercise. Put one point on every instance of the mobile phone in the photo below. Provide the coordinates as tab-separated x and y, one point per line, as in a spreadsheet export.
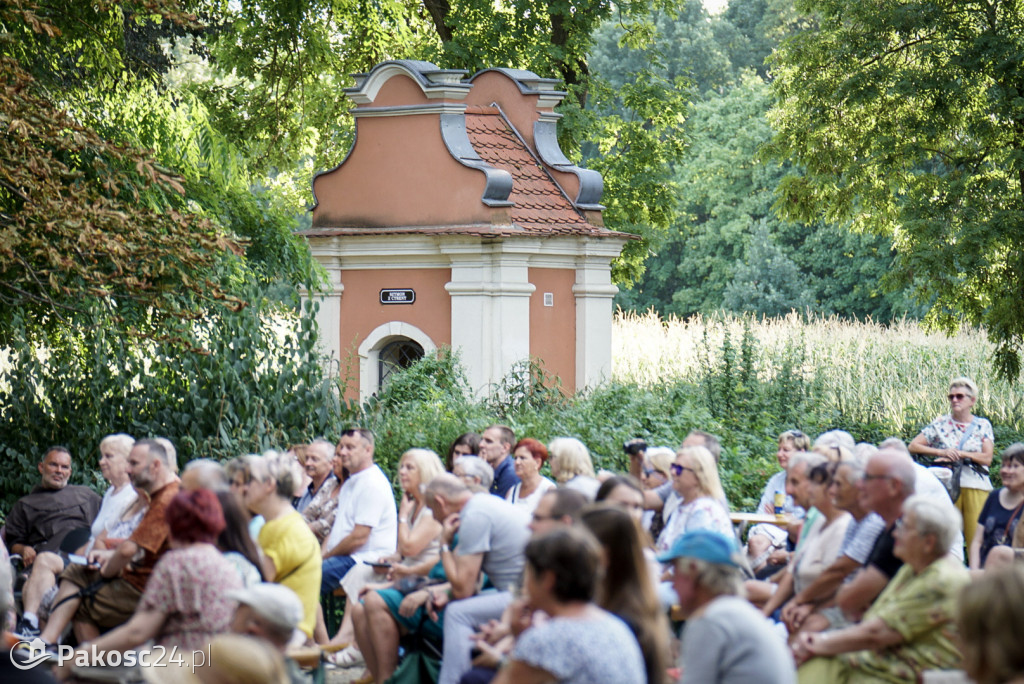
77	559
385	565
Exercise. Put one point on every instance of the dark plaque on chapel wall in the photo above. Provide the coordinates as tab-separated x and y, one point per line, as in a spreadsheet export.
397	296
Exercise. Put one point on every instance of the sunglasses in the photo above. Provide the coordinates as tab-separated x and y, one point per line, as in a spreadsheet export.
958	395
677	469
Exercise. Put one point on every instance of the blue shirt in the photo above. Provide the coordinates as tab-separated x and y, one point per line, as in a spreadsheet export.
504	477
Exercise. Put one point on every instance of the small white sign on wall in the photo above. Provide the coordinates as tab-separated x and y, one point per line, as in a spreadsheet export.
549	299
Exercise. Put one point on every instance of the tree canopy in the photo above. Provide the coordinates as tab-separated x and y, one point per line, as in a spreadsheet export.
728	249
907	119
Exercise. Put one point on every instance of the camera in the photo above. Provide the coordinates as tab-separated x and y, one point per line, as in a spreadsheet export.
634	447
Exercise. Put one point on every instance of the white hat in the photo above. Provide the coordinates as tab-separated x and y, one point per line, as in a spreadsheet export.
274	602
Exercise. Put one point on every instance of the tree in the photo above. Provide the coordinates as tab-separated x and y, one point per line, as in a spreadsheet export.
907	119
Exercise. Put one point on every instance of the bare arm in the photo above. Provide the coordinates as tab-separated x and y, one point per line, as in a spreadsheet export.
856	597
463	572
974	552
355	539
873	634
985	456
517	672
412	541
828	581
143	626
119	559
781	594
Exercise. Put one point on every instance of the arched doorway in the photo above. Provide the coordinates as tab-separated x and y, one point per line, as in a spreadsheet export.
396	355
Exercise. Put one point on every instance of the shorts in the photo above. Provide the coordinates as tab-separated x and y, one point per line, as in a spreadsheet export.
111	605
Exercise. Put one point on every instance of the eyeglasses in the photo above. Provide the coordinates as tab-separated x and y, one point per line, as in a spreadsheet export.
542	518
677	469
868	476
652	471
958	395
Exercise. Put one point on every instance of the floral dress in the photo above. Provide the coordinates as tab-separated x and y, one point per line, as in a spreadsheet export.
190	585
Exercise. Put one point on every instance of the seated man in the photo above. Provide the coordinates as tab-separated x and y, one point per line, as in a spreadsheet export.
114	580
40	520
42	583
492	536
319	503
365	524
271	612
812	608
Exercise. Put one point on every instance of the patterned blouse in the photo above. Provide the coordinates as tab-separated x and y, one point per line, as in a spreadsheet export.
704	513
319	514
946	433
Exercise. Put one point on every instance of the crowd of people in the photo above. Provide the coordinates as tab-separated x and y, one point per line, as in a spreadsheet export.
864	565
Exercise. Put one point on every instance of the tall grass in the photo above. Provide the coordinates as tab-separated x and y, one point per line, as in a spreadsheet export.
893	375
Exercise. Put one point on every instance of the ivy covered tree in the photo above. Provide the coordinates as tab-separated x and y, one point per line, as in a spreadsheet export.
907	120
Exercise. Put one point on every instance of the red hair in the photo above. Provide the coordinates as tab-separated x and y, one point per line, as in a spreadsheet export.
536	449
195	516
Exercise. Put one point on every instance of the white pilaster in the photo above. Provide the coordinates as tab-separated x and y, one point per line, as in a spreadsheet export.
490	293
594	293
328	316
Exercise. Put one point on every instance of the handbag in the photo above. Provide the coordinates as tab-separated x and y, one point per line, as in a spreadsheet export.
954	469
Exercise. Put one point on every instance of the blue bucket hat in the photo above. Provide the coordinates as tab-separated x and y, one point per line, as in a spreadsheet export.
704	545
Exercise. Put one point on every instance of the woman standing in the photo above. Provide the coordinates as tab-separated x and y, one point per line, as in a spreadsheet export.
1001	512
962	439
529	456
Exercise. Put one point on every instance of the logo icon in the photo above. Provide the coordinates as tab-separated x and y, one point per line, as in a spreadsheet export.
35	650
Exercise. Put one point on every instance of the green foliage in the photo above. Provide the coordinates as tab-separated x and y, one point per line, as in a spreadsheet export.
906	119
256	382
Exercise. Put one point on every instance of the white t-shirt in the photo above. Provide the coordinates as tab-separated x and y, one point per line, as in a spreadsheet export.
530	502
366	499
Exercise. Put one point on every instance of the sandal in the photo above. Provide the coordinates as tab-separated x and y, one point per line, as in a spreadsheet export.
348	657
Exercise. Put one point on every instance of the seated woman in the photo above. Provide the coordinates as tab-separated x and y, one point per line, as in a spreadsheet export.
529	457
579	642
627	590
765	538
291	554
41	587
695	480
1001	513
654	472
185	603
418	550
466	444
572	467
235	543
819	545
909	628
376	620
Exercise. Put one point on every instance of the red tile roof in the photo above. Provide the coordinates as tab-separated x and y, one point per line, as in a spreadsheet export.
540	207
539	204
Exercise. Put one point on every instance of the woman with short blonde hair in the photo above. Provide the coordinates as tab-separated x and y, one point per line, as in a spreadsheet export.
572	467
